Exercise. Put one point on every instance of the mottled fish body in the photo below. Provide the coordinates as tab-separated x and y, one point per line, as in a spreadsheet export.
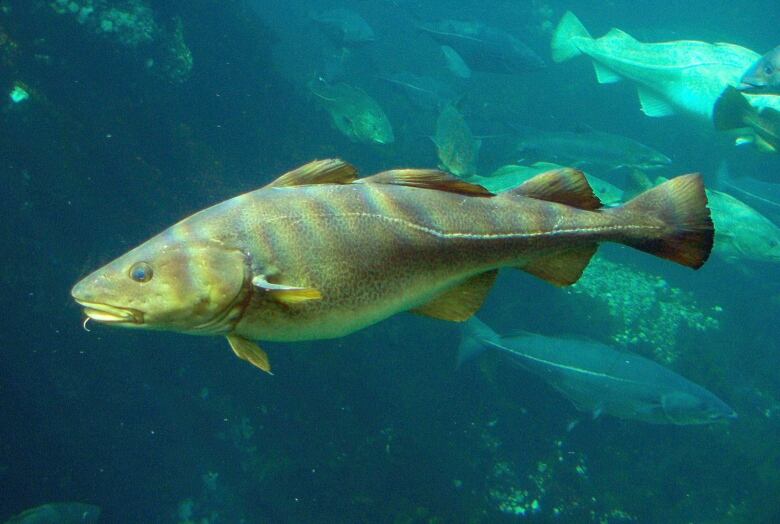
683	76
598	379
320	254
456	147
353	112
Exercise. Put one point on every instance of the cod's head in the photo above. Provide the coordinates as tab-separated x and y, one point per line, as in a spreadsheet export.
684	408
168	285
764	74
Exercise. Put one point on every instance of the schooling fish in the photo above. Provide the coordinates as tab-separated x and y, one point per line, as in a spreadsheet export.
599	379
683	76
319	254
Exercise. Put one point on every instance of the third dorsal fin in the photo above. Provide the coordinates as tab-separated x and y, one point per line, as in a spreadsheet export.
427	179
564	186
327	171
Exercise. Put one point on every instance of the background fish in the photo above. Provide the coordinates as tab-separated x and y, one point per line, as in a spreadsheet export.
684	75
424	92
590	148
344	26
764	75
456	147
353	112
58	513
455	63
485	48
598	379
318	254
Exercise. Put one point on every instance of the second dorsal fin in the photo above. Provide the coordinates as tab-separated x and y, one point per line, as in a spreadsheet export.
327	171
427	179
565	186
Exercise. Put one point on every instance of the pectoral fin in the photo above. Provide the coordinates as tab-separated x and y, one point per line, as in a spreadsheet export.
460	303
249	351
286	294
653	105
604	75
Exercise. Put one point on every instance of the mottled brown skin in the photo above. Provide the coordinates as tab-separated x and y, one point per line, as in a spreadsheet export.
295	262
373	251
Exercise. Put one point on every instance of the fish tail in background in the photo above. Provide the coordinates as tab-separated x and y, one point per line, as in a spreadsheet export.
475	338
563	45
680	204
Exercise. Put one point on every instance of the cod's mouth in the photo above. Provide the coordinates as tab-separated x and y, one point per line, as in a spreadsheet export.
111	314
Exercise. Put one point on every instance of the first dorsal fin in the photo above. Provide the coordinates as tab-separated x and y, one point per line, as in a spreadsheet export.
427	179
461	302
564	186
328	171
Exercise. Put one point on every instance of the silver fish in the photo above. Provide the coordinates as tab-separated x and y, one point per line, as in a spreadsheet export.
599	379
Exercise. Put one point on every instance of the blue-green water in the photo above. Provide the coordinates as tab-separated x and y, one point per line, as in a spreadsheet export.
141	112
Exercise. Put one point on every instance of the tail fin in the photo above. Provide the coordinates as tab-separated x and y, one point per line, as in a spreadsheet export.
474	339
730	110
563	46
680	204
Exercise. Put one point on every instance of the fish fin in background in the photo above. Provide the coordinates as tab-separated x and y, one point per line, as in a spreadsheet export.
604	75
563	45
763	145
461	302
427	179
328	171
565	186
249	351
731	110
286	294
563	267
680	207
597	412
653	105
475	339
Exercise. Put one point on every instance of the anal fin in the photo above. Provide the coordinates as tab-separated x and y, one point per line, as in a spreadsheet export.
561	267
565	186
249	351
461	302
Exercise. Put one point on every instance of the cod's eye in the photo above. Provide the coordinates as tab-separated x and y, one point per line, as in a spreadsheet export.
768	69
141	272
